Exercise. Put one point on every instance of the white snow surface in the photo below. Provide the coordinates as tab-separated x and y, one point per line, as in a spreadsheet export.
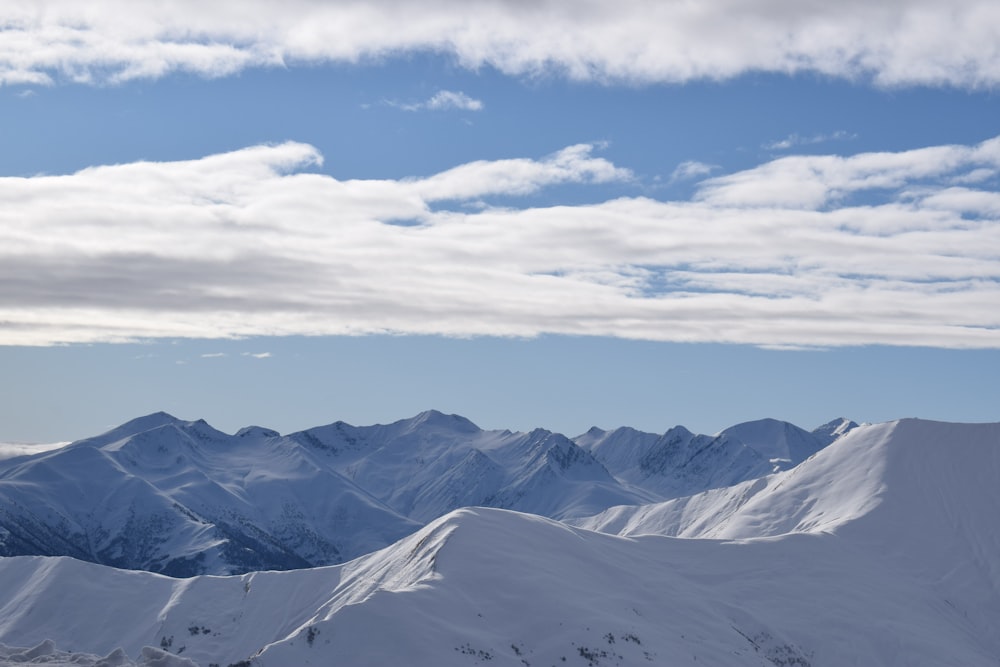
879	550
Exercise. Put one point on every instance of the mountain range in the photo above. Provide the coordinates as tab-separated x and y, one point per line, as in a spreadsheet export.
181	498
879	548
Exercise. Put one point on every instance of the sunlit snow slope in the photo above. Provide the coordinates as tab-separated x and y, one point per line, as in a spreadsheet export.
878	550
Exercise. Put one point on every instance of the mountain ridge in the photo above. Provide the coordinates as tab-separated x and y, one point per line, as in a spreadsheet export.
183	498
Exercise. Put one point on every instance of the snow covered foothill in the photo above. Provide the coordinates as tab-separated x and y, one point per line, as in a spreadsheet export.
878	550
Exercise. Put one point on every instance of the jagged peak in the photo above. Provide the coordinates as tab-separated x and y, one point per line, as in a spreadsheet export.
834	429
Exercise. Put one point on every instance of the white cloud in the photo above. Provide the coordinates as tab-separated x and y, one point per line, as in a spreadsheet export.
9	450
518	176
444	100
897	42
794	139
257	355
447	99
690	170
812	181
214	355
251	243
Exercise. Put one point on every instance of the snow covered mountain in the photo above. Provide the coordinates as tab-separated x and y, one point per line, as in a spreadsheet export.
433	463
931	481
878	550
181	498
834	429
680	463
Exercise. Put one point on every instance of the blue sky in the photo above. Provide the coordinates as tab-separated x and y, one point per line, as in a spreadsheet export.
604	213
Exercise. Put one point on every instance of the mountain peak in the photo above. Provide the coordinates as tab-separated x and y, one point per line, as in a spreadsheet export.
134	427
152	420
778	441
439	419
833	429
678	431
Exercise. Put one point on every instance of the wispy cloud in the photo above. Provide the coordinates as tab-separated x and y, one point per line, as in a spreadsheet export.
793	140
214	355
691	169
903	42
443	100
9	450
257	355
252	243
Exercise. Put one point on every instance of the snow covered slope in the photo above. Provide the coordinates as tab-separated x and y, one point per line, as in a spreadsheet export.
879	550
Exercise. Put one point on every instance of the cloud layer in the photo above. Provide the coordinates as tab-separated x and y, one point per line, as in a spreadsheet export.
888	248
895	42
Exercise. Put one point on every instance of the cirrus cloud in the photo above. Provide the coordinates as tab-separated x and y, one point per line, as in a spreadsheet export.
899	42
257	243
443	100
